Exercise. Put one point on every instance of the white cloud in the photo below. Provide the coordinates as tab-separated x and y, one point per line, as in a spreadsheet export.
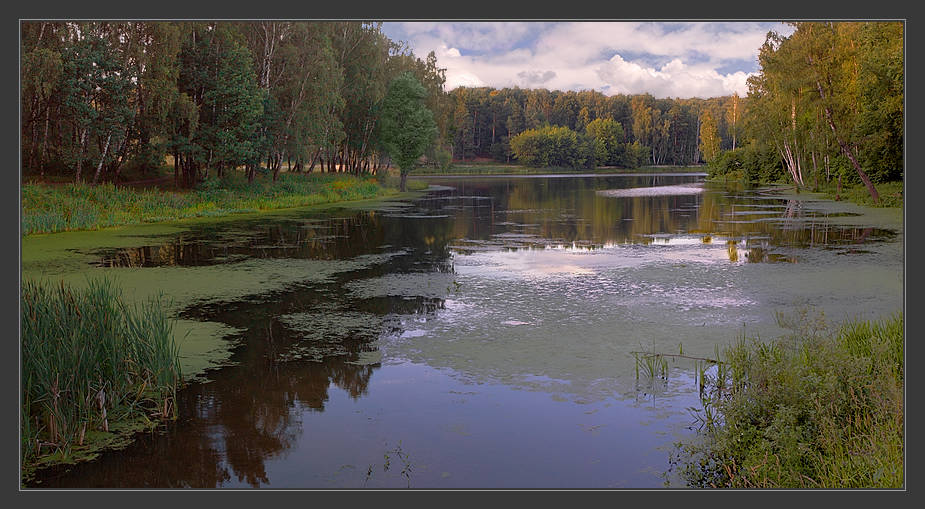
664	59
674	79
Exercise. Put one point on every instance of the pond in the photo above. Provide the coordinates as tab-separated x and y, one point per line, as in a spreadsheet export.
478	336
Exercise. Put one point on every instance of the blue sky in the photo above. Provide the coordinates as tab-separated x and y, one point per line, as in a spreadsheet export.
687	59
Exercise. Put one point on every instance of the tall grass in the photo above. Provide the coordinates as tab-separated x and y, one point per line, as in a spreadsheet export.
90	361
49	209
819	409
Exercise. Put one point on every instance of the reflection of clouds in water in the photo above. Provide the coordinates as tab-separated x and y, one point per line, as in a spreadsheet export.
557	261
527	317
684	189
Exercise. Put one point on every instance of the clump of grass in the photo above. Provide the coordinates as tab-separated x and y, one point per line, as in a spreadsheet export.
651	365
89	363
817	409
49	209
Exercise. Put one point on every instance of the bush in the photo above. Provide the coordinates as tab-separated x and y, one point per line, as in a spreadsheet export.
550	147
750	164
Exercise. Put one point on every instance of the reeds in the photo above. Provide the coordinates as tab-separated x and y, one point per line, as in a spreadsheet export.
88	359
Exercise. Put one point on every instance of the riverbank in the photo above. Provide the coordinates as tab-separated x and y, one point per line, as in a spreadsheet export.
495	168
74	207
820	408
891	193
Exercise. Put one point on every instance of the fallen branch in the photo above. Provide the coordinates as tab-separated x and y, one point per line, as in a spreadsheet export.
677	356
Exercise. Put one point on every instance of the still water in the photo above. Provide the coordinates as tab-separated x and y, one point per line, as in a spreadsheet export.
479	336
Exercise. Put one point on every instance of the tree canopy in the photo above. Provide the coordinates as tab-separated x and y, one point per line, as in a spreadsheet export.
407	125
210	97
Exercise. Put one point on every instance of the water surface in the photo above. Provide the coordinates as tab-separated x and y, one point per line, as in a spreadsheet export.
477	337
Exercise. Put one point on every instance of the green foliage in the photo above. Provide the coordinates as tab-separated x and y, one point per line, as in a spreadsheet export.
881	78
610	148
90	361
709	137
407	125
636	155
821	408
212	95
486	120
829	100
751	163
95	93
551	147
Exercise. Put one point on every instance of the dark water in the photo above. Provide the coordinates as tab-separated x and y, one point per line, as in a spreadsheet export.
481	336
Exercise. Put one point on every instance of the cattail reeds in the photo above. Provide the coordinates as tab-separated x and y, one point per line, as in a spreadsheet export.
89	359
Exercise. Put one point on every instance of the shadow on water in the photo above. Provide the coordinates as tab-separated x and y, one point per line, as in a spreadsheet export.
300	342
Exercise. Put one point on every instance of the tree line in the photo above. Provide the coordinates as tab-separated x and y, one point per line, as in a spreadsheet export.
625	130
827	103
99	97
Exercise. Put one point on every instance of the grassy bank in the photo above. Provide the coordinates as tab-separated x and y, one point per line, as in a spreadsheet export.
93	371
49	209
822	408
891	194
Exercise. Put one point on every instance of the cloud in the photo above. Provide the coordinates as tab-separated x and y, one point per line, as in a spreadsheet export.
664	59
674	79
536	77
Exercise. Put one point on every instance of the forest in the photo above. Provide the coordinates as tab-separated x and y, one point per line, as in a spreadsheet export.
98	97
827	103
210	97
618	130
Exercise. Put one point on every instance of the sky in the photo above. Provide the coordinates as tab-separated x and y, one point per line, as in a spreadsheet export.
676	60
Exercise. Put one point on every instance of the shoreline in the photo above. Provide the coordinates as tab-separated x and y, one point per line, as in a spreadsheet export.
78	208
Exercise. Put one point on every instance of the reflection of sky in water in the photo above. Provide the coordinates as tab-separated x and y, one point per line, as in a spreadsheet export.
530	307
557	260
676	190
505	359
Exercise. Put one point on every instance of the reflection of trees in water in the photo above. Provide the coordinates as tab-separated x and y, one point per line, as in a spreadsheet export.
249	412
259	398
569	211
226	431
331	239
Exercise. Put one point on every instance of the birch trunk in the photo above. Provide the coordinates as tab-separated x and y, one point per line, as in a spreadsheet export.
96	176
